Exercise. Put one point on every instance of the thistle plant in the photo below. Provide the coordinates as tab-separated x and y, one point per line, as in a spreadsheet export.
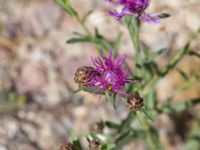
110	76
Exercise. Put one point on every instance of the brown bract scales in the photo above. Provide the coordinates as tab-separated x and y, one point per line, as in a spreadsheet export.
68	146
85	74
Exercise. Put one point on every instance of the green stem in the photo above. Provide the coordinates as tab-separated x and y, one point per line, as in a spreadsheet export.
126	122
84	26
147	115
150	83
178	56
179	106
92	38
146	127
133	27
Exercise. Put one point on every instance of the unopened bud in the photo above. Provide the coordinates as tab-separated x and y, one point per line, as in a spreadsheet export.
68	146
94	145
135	102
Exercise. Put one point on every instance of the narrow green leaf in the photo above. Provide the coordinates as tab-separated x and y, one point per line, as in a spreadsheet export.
118	41
151	97
152	139
163	15
86	16
147	115
112	125
179	55
107	95
183	74
101	40
151	56
67	7
125	124
79	40
193	53
115	101
90	90
124	139
78	34
150	68
75	140
179	106
133	27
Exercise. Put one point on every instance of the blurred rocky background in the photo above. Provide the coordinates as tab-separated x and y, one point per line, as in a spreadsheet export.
37	104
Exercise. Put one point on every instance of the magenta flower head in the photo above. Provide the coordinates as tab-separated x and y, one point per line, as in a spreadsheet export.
113	75
107	75
134	7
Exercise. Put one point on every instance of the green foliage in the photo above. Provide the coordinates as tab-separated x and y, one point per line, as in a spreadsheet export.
75	140
115	101
124	139
79	40
65	4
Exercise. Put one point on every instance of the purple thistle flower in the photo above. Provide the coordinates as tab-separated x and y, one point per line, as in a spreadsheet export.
113	76
134	7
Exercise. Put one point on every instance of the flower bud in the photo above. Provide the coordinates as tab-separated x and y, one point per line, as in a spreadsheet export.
94	145
68	146
135	102
85	74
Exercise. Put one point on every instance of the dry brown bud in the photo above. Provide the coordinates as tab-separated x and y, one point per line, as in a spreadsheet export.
68	146
94	145
135	102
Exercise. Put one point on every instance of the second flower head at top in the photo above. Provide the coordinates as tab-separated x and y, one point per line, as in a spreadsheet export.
134	7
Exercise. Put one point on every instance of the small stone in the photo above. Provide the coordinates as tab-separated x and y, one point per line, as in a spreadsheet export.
2	147
12	128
